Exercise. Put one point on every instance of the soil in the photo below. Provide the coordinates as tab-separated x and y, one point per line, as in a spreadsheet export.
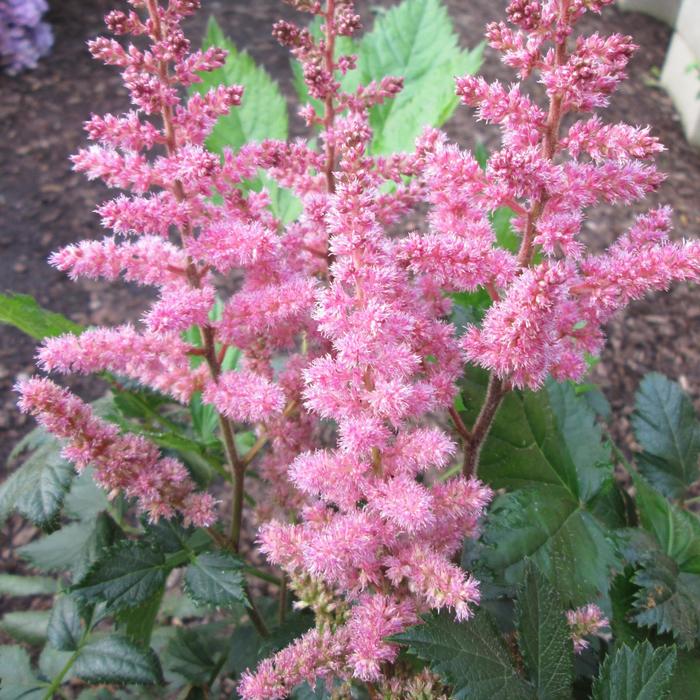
44	205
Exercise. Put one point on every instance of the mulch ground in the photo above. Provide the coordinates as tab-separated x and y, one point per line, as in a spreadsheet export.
45	205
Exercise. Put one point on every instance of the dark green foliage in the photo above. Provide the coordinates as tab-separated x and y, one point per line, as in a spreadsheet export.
668	430
637	673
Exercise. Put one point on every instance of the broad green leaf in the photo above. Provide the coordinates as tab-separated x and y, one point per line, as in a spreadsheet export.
547	448
86	499
23	312
65	628
544	638
403	43
471	656
194	654
115	659
26	625
668	430
668	599
505	235
125	576
138	622
637	673
216	579
72	548
38	487
16	677
294	626
53	661
677	531
13	585
263	110
622	592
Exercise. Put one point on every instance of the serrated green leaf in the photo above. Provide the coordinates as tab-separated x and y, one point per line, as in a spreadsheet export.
12	585
638	673
38	487
262	113
677	531
216	579
471	656
544	638
72	548
16	678
115	659
402	43
125	576
622	592
194	654
668	430
65	628
547	447
668	599
23	312
26	625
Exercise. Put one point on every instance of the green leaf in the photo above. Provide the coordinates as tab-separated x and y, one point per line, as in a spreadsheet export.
685	682
115	659
26	625
86	499
23	312
65	629
13	585
471	656
38	487
668	430
403	43
544	638
263	110
125	576
138	622
16	677
216	579
74	547
547	447
637	673
194	653
52	661
677	531
668	599
622	592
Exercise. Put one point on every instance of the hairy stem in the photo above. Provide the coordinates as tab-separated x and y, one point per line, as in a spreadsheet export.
495	392
329	113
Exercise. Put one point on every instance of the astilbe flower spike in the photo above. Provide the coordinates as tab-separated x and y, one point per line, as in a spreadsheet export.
353	316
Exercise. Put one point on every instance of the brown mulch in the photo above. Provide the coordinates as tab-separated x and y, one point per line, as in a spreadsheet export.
45	205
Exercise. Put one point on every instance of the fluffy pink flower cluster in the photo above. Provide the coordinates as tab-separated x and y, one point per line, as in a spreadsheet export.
585	622
355	316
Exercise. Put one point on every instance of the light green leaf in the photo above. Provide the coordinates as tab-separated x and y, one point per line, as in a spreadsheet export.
86	499
23	312
115	659
638	673
471	656
13	585
65	629
52	661
216	579
72	548
403	43
668	430
125	576
16	677
38	487
263	110
544	638
26	625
